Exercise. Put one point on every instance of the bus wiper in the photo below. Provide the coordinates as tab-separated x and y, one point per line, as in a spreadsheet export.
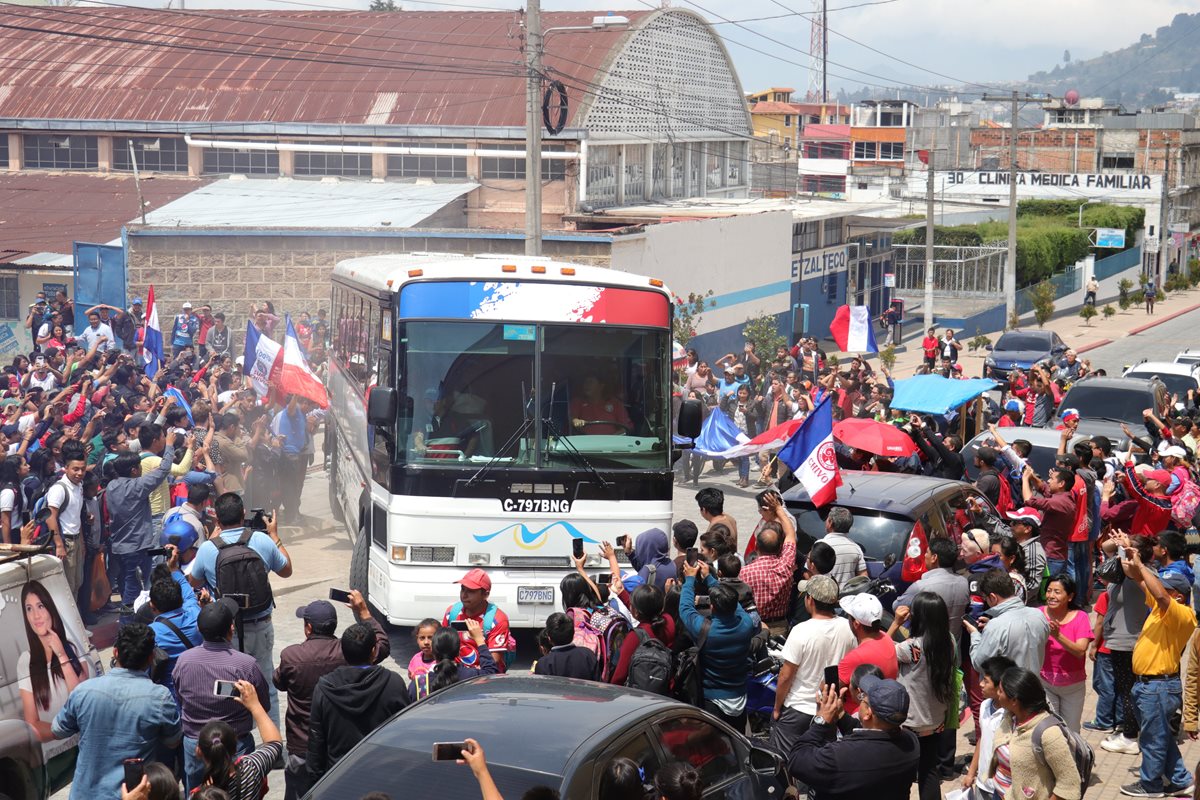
524	427
577	456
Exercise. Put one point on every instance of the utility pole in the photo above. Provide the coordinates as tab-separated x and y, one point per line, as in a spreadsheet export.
1164	219
137	181
533	128
929	240
824	51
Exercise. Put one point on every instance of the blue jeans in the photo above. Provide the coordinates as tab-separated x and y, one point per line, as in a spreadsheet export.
134	569
1109	712
1057	566
743	465
194	766
1156	702
1079	564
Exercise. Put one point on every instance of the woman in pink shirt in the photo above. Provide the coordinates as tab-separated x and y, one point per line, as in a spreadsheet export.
1064	670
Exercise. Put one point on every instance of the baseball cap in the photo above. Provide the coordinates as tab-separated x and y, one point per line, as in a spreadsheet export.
863	608
137	301
821	588
1160	476
887	698
187	304
1069	414
1025	514
1171	450
1176	582
215	618
476	579
317	611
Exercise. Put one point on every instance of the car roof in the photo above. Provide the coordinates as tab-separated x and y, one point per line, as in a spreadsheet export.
892	493
565	712
1038	437
1029	332
1164	368
1113	381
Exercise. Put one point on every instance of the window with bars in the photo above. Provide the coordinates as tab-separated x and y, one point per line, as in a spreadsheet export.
10	306
602	175
806	236
713	151
74	151
3	151
153	154
220	161
737	164
1117	161
825	184
635	172
834	233
342	165
401	166
514	168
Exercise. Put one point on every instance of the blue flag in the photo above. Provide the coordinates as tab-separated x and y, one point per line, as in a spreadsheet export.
180	401
718	434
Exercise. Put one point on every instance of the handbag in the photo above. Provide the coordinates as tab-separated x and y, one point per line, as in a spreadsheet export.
1110	571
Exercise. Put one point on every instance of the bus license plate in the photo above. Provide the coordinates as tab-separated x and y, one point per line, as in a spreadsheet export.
543	595
537	505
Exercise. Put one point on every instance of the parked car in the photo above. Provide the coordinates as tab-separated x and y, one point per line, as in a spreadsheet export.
886	506
1041	458
543	731
1105	403
1021	349
1188	356
1177	376
34	765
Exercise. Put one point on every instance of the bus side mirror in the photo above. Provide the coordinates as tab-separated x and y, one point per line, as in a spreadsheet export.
691	415
381	405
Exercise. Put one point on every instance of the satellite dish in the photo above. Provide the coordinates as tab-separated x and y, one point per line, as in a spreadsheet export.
1072	97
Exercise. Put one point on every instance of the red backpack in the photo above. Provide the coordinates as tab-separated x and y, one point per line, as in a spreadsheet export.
1004	501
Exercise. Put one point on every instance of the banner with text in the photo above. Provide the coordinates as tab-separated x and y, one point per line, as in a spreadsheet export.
991	184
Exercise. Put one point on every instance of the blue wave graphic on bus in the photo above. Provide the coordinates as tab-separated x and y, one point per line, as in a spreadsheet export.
530	539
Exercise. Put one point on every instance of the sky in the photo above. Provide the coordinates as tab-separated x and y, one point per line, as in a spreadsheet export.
966	41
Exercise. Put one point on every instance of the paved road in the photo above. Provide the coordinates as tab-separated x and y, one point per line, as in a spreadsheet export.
1160	343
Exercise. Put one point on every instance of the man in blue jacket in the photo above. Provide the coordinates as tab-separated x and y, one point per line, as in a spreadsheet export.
176	611
724	640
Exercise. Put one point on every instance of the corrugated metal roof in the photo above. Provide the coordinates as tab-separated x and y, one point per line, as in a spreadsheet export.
285	203
43	212
400	68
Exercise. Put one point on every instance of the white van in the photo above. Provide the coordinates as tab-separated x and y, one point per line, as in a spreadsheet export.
37	612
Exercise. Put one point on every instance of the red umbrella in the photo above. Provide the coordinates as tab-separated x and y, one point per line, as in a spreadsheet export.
874	437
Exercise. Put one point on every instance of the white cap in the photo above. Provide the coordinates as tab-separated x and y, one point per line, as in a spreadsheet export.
187	304
864	608
1171	450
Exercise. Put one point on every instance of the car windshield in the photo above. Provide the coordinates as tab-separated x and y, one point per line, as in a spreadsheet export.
1176	384
470	395
1023	341
1108	402
876	533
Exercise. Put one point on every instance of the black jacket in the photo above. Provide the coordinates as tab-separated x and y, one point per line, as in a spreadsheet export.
866	765
569	661
348	704
942	461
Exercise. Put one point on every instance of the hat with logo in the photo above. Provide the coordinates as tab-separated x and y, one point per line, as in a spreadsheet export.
865	609
187	304
821	588
476	579
317	611
887	698
1026	514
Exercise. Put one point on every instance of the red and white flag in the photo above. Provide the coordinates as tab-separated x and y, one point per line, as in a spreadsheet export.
295	376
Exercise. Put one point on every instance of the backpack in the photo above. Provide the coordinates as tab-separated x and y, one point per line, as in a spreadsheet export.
489	622
1081	751
601	631
41	511
1184	504
240	570
652	665
687	684
1004	501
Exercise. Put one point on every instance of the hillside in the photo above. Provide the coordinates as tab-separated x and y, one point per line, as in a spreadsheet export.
1135	75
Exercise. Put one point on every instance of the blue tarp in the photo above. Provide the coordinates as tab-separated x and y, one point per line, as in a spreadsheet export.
933	394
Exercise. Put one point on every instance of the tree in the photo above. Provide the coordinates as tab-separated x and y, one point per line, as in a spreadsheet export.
978	341
887	356
1123	299
763	332
1014	320
1109	311
1087	312
384	5
1042	296
687	315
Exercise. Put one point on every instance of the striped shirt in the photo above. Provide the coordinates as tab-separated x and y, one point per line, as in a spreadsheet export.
850	561
196	672
251	770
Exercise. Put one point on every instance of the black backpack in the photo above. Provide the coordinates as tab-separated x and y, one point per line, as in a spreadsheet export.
688	682
652	665
240	570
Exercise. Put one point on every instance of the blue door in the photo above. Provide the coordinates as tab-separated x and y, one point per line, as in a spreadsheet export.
99	278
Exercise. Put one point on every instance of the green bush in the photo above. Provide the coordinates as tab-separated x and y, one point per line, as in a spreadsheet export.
1087	312
1108	311
1042	297
763	331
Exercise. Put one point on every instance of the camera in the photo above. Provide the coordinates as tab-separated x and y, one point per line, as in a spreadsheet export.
256	520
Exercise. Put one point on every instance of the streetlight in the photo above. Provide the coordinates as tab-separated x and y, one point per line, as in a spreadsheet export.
1087	203
534	48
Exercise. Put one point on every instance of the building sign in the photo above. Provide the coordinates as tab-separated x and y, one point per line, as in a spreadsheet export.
819	262
1110	237
993	184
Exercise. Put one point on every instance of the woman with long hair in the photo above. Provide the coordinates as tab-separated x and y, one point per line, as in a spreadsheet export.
52	666
927	671
647	605
241	777
1064	668
745	413
1018	772
446	669
1012	556
577	593
13	470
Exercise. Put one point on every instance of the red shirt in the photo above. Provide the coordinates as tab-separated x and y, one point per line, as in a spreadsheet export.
1153	514
1101	608
881	652
206	324
770	579
605	411
930	345
497	638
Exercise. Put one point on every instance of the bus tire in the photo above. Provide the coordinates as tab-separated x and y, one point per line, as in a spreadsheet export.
335	504
360	559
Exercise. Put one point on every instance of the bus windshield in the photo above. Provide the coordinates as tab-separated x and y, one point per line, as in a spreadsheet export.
471	395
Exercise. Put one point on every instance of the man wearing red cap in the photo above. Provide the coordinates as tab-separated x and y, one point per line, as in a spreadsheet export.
1153	513
473	603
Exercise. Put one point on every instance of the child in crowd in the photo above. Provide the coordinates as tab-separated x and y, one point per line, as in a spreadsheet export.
422	661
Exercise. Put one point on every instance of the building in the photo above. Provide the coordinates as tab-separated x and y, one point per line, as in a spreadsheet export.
944	129
779	122
653	109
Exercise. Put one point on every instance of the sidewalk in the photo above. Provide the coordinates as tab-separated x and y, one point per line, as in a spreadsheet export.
1070	327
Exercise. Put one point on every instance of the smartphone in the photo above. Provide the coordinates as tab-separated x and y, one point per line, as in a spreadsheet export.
135	768
448	751
692	556
577	547
339	595
831	676
621	540
242	600
604	578
703	601
158	551
225	689
459	625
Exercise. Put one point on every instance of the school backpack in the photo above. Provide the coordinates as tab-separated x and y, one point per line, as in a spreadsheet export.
652	665
489	622
1184	504
240	570
602	631
41	511
687	684
1081	751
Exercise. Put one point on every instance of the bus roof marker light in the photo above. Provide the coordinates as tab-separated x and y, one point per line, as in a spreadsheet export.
415	273
538	270
656	282
508	268
567	270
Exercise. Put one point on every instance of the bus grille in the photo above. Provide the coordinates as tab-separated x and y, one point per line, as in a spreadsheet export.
433	555
535	561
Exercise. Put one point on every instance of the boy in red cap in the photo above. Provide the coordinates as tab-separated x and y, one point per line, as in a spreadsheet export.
473	603
1153	514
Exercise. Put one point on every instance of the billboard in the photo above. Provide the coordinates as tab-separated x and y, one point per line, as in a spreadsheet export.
1110	237
993	185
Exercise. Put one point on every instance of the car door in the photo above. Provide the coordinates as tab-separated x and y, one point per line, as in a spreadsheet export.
718	756
639	747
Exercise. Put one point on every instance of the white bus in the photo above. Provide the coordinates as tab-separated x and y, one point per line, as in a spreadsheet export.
486	411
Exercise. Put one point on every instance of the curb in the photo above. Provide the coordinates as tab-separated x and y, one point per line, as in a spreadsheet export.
1168	318
1093	345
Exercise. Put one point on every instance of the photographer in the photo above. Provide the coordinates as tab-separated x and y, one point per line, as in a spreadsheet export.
223	565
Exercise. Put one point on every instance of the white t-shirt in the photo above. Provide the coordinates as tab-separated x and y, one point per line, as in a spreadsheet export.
69	521
990	716
48	383
8	500
812	646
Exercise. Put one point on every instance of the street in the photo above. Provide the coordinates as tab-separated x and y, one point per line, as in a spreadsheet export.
1160	343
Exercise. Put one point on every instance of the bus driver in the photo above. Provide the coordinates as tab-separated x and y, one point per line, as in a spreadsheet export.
592	412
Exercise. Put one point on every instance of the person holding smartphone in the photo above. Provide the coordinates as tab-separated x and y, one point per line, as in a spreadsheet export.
473	603
240	776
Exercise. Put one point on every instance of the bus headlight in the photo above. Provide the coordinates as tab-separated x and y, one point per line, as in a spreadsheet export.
399	552
479	559
592	560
